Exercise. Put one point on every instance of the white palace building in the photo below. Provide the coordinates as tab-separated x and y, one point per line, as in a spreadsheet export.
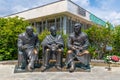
63	14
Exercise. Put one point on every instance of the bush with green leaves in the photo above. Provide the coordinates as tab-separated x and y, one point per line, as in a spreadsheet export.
65	38
41	37
43	34
116	41
10	28
99	38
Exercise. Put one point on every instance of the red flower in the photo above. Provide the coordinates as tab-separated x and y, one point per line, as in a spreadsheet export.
115	58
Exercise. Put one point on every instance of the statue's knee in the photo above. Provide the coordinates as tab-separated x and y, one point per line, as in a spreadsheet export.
20	53
60	50
69	52
47	50
86	52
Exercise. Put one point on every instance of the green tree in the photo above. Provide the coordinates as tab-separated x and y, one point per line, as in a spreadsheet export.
99	38
10	28
116	40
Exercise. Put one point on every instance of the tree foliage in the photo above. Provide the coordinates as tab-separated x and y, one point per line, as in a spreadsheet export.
116	40
10	28
100	38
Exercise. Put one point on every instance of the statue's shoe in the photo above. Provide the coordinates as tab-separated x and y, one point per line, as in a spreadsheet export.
86	68
37	65
20	69
58	68
71	69
30	69
43	68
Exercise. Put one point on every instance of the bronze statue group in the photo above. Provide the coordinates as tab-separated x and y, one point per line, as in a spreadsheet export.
53	47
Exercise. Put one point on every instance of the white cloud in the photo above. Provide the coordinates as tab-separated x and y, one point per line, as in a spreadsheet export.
114	17
19	8
8	7
108	15
105	4
111	16
108	11
83	3
105	9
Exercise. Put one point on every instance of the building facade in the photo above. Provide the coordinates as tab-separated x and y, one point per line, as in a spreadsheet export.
63	14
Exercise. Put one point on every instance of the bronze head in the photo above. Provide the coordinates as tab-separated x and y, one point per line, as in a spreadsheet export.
29	31
77	28
53	30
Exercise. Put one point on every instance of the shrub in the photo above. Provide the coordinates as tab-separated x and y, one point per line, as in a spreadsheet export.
10	28
100	38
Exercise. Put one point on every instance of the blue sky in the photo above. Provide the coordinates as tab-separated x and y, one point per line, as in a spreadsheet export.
108	10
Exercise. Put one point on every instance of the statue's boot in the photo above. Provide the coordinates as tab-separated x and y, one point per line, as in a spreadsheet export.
45	60
43	68
59	60
22	63
20	68
72	68
37	65
59	68
85	67
29	68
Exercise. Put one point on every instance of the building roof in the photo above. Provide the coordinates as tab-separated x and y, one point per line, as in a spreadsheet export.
61	6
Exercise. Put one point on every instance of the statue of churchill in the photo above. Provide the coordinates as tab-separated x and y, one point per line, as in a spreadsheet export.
28	47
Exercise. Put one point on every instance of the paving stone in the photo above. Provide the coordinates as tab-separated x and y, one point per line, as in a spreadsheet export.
97	73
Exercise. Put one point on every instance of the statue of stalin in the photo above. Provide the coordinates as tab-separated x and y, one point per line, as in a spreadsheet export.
52	46
77	49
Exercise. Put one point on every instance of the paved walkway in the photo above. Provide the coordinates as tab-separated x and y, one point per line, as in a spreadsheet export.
97	73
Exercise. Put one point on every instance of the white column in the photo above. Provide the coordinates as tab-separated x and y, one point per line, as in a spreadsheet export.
60	24
71	25
38	27
42	26
35	24
46	27
64	24
55	23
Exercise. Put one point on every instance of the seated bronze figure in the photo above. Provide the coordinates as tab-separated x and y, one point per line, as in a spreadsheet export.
28	47
77	48
52	47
